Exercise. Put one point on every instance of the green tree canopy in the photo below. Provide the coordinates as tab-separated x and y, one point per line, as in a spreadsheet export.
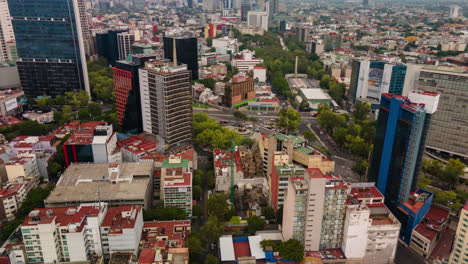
289	119
212	229
164	214
218	206
254	224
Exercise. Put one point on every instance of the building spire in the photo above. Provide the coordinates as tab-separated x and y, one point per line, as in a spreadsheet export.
174	52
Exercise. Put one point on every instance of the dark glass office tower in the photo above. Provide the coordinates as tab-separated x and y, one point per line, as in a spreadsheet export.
401	132
107	45
127	92
187	52
50	46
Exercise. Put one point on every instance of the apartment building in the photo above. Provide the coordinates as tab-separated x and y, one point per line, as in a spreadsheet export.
121	230
279	180
65	234
321	206
77	234
166	101
176	184
460	245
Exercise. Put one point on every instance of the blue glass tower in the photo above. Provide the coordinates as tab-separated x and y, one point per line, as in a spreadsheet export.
50	46
401	132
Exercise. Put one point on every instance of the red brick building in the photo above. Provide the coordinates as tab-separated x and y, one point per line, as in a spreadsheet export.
239	90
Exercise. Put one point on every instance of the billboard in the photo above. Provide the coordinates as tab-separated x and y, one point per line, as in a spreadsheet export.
374	82
11	104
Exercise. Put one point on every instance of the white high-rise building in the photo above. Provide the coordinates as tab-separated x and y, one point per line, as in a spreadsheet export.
460	244
7	38
454	11
76	234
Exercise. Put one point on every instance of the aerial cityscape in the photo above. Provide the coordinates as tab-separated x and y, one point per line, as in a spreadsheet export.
233	131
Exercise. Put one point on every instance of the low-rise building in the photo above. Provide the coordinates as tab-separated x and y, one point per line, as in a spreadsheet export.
429	231
246	61
164	242
9	101
238	91
117	184
94	141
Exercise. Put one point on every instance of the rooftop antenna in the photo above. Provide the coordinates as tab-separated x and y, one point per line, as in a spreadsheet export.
174	52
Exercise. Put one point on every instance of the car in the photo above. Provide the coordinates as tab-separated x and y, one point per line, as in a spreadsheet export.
224	122
259	114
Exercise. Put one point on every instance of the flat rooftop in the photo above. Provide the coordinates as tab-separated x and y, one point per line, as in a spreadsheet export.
315	94
92	182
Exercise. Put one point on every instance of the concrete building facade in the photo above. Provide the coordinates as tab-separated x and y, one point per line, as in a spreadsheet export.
166	102
460	245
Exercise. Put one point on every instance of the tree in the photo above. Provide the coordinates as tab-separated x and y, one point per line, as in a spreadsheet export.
218	206
53	169
164	214
304	105
95	109
310	136
194	244
235	220
60	100
67	114
211	259
361	112
329	120
43	103
197	211
291	250
197	179
452	172
213	229
255	223
268	212
423	182
239	115
289	119
83	98
83	114
361	167
210	179
208	82
197	192
325	81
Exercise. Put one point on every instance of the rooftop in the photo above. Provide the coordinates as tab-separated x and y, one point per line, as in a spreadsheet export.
72	217
122	217
315	94
137	144
92	182
433	222
327	254
363	193
184	163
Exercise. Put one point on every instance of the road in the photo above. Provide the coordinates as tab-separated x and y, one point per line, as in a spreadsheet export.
342	165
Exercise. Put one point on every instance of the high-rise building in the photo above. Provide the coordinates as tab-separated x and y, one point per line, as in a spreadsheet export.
448	130
370	79
258	19
166	101
7	37
125	41
454	11
314	210
401	132
83	6
50	46
460	244
107	45
245	8
187	52
127	92
273	7
369	3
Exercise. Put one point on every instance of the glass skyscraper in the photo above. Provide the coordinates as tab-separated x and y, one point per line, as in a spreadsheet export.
187	52
401	132
50	46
